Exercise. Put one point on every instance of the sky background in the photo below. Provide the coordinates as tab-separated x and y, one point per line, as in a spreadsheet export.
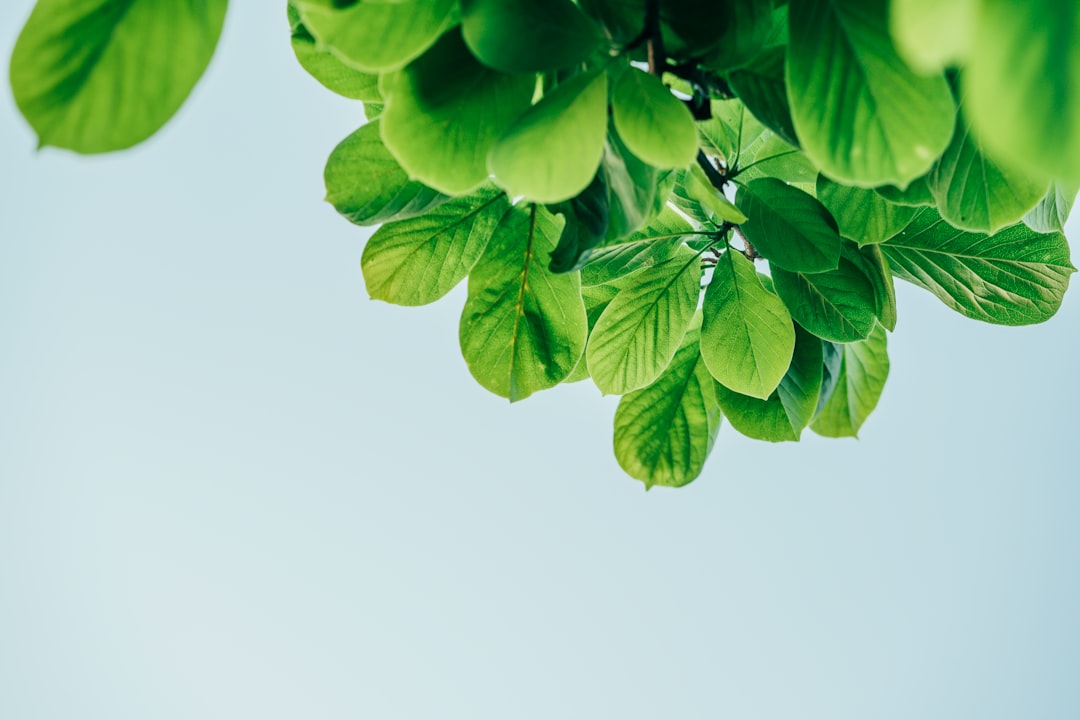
231	486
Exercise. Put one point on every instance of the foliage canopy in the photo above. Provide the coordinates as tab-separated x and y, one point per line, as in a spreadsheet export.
700	205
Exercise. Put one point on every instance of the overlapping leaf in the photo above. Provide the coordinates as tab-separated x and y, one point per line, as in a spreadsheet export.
864	368
788	227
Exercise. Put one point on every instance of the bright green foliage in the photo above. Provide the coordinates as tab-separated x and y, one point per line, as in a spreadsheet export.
100	75
699	205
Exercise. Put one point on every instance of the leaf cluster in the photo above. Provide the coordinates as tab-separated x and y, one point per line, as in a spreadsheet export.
698	205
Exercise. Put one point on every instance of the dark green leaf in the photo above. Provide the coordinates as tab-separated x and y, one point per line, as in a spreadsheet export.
788	227
586	226
840	305
864	369
762	89
528	36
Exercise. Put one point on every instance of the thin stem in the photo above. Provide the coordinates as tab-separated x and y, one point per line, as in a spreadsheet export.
654	41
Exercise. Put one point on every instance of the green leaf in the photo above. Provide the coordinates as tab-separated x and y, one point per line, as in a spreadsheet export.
327	68
839	305
862	215
864	368
99	75
788	226
788	410
654	124
861	114
552	152
747	337
523	328
377	36
871	261
445	111
635	188
1022	84
931	34
974	192
756	27
696	196
528	36
762	89
365	183
1014	277
596	300
1052	212
646	248
753	150
664	432
419	260
587	220
917	194
639	332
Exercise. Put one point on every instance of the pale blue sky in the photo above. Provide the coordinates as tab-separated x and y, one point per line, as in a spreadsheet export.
233	487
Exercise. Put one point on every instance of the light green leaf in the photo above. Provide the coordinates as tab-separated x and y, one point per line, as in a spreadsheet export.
1014	277
861	114
99	75
788	410
747	337
788	227
646	248
365	183
932	34
528	36
328	68
654	124
377	36
417	261
596	299
839	305
862	215
1022	84
639	332
664	432
552	152
523	328
864	369
1052	212
974	192
445	111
